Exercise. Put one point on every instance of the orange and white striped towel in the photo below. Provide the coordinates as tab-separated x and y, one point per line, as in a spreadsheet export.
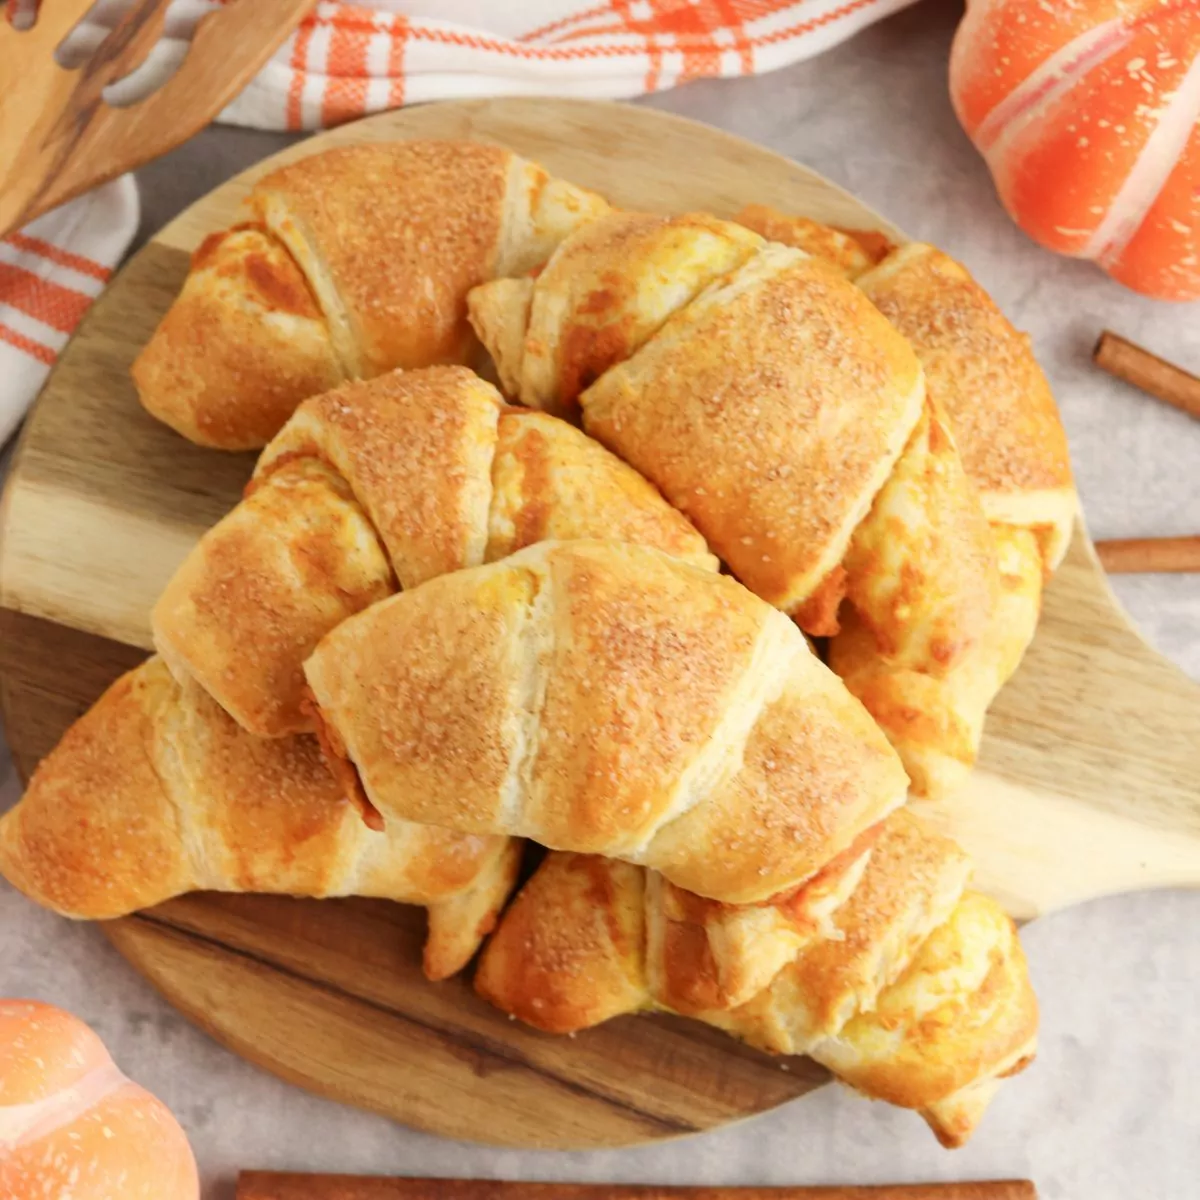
347	60
50	272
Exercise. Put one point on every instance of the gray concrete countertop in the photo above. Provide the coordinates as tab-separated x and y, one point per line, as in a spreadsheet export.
1111	1109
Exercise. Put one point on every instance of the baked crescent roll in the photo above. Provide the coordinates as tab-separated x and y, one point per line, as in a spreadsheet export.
921	571
912	991
242	344
982	371
977	367
773	405
598	300
356	260
936	723
613	700
589	937
155	791
982	375
373	487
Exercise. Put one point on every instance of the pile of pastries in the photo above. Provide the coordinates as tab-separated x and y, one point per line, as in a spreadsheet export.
730	558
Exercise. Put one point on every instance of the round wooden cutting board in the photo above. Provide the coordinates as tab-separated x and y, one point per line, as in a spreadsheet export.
1088	782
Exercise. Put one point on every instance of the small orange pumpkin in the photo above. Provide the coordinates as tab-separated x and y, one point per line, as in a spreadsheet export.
72	1125
1087	113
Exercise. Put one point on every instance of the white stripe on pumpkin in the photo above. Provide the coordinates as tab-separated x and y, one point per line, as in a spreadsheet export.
1158	159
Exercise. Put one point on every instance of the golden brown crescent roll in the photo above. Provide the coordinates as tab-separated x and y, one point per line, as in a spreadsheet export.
357	260
155	792
911	990
921	571
374	486
982	378
598	300
936	723
979	368
609	699
588	936
984	374
242	343
773	405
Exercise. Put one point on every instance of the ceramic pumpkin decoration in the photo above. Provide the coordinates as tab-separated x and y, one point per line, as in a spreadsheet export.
72	1125
1087	113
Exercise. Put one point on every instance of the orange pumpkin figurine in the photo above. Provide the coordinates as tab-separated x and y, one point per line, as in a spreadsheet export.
1087	113
72	1125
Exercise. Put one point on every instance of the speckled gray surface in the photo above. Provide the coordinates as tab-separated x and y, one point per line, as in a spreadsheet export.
1111	1109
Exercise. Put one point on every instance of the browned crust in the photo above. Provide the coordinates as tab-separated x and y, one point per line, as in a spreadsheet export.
587	351
415	449
263	586
851	251
405	230
979	368
550	480
818	615
569	953
763	411
922	564
691	979
333	750
967	1036
215	370
63	849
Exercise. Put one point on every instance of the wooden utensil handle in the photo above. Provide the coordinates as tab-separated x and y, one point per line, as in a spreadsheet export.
93	142
268	1185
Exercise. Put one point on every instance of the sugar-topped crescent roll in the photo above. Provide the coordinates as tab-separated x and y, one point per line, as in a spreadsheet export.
997	398
155	791
982	375
911	990
610	699
772	404
373	487
352	261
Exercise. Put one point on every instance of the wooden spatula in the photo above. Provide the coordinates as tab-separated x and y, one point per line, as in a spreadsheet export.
59	138
267	1185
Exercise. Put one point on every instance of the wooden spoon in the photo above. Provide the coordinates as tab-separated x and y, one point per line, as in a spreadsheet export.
59	138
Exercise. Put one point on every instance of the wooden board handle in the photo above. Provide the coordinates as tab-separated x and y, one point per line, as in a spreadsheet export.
268	1185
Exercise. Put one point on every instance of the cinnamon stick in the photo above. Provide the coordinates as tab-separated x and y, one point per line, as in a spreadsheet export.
267	1185
1122	358
1131	556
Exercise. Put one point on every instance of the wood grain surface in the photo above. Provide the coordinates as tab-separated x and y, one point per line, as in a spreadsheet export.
329	994
269	1185
59	138
1088	781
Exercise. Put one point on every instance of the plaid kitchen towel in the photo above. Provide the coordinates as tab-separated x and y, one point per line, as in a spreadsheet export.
347	60
50	272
